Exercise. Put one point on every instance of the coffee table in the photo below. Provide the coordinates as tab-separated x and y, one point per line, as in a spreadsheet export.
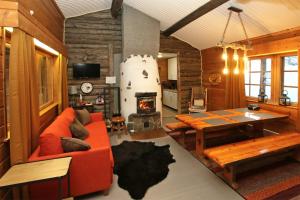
26	173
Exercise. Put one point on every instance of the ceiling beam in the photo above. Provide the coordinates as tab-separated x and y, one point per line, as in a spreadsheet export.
116	7
209	6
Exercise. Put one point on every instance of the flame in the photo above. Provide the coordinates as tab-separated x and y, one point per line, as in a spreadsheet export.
145	105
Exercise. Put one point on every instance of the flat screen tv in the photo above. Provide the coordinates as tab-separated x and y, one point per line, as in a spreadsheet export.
86	70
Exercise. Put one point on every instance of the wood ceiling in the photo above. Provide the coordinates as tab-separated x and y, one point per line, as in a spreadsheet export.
260	16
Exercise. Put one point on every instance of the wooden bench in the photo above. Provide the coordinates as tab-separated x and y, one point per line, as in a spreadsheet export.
232	156
179	127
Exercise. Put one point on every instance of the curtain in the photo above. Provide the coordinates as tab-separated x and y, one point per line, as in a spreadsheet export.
23	98
61	83
23	101
64	83
235	86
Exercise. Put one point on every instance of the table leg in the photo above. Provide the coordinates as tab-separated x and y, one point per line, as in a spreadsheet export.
258	129
200	143
69	182
60	196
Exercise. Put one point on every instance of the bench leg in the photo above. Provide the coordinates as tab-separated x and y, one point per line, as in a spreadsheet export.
230	176
296	155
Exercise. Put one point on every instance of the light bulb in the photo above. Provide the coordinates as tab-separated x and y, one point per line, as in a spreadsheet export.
224	55
235	55
236	71
225	70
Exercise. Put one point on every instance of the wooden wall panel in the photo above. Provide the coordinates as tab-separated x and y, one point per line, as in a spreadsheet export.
93	38
189	68
163	69
46	24
47	13
213	64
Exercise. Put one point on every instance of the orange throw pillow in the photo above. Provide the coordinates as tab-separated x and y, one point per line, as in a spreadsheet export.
50	144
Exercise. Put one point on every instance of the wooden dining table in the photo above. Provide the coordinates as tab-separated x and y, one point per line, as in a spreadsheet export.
209	123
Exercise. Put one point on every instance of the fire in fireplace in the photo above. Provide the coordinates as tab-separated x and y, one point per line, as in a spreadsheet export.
146	102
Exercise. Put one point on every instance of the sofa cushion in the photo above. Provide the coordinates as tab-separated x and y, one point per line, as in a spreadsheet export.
50	144
78	130
50	138
83	116
73	144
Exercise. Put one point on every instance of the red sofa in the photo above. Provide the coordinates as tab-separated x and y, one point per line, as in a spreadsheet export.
90	171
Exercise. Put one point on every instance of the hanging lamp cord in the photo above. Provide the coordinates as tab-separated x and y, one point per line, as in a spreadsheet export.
227	23
201	69
243	26
245	32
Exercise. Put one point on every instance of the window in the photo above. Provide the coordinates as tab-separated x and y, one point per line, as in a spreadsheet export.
45	69
258	77
290	76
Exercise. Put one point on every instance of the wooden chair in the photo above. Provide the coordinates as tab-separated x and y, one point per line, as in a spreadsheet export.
198	100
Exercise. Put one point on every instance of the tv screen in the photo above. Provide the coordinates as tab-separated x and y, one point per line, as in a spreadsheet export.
85	70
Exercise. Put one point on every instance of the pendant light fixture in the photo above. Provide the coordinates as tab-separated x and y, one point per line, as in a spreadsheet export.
234	46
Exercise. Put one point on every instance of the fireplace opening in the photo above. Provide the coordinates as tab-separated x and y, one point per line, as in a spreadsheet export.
146	102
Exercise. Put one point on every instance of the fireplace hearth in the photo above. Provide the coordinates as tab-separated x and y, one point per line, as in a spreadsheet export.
146	102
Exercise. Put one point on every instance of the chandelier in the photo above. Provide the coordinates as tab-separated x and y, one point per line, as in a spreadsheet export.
234	46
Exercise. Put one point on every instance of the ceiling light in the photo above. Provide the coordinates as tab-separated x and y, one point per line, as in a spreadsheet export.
234	46
45	47
159	55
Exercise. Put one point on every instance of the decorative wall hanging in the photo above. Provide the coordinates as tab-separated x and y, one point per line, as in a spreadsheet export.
215	78
234	46
145	73
129	85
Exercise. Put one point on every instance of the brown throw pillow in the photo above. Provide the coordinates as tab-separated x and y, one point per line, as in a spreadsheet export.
83	116
78	130
73	144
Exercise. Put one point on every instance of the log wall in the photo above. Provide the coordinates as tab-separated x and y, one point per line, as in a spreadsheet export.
189	68
93	38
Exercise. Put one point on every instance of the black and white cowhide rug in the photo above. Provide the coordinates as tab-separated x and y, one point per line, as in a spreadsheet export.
140	165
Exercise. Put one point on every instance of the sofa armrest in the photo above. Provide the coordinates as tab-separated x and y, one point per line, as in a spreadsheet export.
96	116
92	166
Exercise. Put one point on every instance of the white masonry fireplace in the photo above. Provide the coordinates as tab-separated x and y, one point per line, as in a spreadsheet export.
141	93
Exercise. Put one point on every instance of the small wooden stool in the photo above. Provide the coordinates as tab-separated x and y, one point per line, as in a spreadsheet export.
118	124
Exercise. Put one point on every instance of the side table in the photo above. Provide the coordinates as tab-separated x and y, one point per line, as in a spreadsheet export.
44	170
118	124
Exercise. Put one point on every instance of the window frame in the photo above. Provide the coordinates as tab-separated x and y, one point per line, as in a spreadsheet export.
52	58
277	65
282	71
252	98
